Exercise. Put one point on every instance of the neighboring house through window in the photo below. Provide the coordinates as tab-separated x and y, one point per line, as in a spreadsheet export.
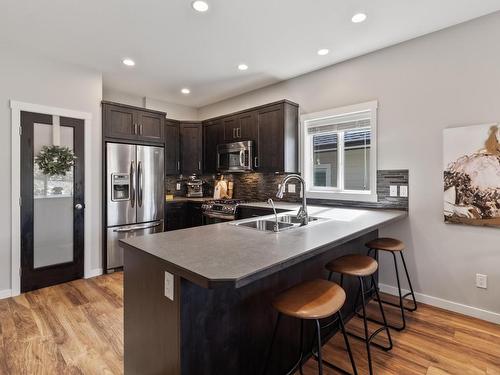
339	152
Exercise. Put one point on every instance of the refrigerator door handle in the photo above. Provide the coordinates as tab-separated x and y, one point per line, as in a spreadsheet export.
132	184
139	182
138	227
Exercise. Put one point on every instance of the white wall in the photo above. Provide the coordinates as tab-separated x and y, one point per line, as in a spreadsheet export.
174	111
444	79
37	80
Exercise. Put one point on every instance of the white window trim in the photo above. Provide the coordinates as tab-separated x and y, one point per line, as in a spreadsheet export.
329	193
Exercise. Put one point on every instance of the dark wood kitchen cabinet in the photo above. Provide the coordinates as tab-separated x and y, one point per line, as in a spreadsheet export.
175	216
277	142
181	215
121	121
150	126
191	147
213	136
273	128
172	148
241	127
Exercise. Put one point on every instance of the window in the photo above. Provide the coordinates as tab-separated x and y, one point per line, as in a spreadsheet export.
339	153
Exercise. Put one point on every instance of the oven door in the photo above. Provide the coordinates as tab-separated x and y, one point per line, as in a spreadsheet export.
234	157
215	218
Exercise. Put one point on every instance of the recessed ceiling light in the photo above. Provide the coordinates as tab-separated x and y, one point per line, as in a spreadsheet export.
199	5
323	52
128	62
358	17
185	91
243	67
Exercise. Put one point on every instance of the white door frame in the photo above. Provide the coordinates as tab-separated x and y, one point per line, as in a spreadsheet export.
16	109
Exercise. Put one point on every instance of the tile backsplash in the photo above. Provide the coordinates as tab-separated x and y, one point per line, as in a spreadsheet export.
260	187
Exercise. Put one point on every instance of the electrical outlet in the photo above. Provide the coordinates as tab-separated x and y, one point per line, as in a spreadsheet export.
481	281
169	286
291	188
178	186
393	190
403	191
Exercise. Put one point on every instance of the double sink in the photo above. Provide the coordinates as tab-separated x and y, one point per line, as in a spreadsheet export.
283	222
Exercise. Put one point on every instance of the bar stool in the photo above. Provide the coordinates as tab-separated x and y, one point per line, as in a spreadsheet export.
394	246
362	266
311	300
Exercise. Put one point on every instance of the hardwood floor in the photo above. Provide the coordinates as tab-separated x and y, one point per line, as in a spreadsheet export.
77	328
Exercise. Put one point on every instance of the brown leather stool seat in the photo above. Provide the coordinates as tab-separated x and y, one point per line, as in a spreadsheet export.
387	244
311	300
316	299
353	265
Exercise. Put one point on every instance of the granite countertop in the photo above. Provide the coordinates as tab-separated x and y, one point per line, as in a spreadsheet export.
222	255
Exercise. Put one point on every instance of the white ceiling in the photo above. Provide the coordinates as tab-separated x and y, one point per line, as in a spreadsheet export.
175	47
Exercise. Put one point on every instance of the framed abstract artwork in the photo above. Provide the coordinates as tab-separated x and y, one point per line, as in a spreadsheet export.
472	175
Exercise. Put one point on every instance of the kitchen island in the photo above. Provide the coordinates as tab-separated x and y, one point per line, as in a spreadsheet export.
198	300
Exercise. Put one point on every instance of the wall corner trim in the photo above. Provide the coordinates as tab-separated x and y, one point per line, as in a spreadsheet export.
6	293
471	311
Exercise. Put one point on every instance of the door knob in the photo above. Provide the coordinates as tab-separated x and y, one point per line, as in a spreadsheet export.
78	206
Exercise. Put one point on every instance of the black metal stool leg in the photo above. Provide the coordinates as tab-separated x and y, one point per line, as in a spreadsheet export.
301	345
320	360
383	317
365	323
266	364
414	308
346	340
401	302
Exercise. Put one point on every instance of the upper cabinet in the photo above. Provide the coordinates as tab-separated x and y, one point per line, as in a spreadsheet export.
273	128
191	147
214	134
151	126
172	148
241	127
131	123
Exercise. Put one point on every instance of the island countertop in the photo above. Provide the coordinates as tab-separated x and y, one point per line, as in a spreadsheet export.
225	255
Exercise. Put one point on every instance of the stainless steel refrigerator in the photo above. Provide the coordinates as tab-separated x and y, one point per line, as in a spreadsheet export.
135	188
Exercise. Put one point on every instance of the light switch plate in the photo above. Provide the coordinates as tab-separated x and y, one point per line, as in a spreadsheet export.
393	190
403	191
169	286
178	186
291	188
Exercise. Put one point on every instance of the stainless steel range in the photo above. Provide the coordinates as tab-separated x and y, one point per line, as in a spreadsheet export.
217	211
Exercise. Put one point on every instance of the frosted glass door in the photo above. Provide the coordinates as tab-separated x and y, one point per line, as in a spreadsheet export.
52	204
52	201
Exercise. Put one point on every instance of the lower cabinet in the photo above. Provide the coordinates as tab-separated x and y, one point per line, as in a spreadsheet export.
175	216
181	215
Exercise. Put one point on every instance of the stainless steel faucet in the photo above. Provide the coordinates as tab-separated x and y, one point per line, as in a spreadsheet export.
302	214
276	225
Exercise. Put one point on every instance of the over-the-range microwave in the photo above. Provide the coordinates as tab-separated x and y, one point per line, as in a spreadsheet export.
235	157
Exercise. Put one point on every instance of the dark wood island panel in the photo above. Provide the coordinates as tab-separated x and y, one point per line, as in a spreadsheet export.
217	331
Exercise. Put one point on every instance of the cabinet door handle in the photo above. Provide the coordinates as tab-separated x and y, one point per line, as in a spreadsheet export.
178	165
135	129
199	165
238	133
255	164
140	129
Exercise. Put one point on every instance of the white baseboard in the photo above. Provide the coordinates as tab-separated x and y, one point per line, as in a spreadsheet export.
93	273
474	312
6	293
